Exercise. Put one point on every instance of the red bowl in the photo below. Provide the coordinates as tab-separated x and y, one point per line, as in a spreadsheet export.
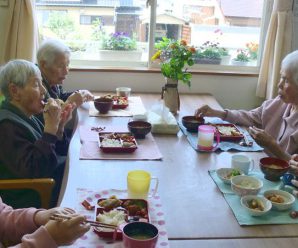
191	123
103	104
273	168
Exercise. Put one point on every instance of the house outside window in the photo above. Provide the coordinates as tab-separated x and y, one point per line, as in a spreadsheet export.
92	28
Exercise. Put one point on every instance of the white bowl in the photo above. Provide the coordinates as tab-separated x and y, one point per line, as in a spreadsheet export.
246	202
123	91
288	199
246	185
225	174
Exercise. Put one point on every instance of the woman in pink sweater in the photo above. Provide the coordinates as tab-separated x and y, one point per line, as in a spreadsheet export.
32	227
273	125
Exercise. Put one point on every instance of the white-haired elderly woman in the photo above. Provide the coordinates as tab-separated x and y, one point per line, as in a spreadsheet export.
53	61
274	125
29	148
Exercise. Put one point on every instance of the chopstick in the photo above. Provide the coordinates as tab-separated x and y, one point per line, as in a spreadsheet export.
60	217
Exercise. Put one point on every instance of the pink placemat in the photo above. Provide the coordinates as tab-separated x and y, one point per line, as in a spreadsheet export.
90	239
147	148
135	107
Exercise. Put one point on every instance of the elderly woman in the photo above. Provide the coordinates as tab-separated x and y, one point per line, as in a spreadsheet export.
31	149
32	227
53	61
274	125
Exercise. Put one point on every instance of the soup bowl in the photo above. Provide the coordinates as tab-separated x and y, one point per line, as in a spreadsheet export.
273	168
140	234
103	104
139	129
191	123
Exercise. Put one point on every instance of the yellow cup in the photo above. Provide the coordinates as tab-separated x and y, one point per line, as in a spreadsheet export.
138	184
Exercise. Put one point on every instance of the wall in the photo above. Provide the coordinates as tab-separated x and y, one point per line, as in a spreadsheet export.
231	91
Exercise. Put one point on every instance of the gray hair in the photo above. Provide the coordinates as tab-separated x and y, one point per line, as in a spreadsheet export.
18	72
50	49
290	64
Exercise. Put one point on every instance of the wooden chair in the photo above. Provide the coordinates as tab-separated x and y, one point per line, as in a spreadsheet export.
43	186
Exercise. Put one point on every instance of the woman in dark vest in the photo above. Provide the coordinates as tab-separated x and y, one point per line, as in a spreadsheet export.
31	149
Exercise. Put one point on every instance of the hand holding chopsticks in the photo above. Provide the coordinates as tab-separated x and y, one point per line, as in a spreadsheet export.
60	217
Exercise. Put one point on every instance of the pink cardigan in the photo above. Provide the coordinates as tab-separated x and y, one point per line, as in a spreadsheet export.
16	223
274	117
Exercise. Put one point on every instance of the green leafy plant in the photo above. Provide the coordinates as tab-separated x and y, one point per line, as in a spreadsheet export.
208	50
242	55
119	41
173	56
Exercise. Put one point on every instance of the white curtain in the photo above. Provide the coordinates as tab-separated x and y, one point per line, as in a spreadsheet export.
278	43
20	33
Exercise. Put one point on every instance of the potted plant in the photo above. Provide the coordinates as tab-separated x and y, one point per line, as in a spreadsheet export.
208	53
225	56
119	46
242	57
253	50
174	56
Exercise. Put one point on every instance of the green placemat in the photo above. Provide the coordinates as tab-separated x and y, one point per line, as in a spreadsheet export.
243	218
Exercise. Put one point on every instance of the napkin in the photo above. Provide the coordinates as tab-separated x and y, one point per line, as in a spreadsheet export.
162	120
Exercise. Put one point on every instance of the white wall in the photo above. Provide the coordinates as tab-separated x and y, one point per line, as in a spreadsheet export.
236	92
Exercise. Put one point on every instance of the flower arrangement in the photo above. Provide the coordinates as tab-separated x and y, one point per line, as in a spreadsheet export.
242	55
174	55
119	41
253	50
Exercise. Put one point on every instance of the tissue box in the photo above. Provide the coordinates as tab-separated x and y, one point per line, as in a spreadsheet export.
162	127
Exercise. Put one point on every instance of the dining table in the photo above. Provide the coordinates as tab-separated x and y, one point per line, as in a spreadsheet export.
196	213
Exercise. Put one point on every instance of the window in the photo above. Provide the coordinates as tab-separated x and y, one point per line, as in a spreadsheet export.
116	33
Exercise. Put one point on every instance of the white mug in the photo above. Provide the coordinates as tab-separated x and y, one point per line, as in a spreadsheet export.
243	163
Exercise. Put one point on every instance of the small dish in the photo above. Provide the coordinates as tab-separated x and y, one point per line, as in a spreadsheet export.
225	174
246	185
256	205
281	200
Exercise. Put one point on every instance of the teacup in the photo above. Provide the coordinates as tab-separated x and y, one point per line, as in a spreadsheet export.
138	184
243	163
140	235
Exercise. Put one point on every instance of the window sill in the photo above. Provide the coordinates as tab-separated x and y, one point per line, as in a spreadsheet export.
245	71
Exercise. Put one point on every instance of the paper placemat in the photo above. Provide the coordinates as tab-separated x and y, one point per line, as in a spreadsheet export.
147	150
135	107
223	145
243	218
90	239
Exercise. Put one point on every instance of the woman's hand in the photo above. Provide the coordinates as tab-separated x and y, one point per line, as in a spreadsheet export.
52	116
65	232
43	216
79	97
261	137
294	164
208	111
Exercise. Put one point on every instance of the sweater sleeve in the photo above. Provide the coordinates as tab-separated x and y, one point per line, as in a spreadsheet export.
40	238
25	157
15	223
246	118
